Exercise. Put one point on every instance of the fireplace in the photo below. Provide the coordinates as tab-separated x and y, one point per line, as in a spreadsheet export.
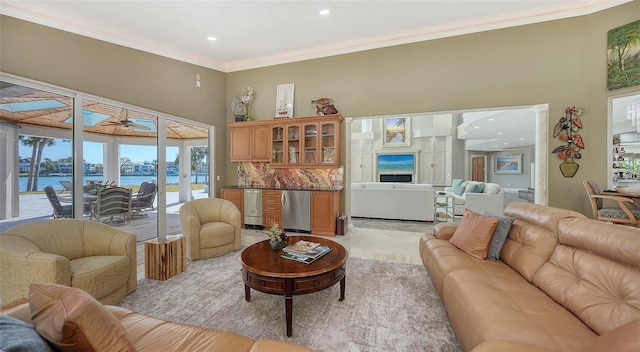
408	178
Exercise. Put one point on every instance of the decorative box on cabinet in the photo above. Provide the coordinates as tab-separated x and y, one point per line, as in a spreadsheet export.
325	206
271	207
235	196
250	143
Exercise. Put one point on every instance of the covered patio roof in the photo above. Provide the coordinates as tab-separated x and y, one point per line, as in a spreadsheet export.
25	106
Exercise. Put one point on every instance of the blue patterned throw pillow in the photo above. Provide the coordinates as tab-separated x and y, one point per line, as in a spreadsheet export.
18	336
500	234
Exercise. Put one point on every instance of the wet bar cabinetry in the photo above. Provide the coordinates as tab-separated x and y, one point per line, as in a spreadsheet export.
271	207
235	196
249	142
295	142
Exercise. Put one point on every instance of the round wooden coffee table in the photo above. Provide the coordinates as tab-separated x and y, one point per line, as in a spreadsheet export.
263	269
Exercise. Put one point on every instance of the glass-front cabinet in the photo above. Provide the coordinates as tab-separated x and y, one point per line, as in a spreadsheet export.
310	143
307	142
293	144
329	143
277	145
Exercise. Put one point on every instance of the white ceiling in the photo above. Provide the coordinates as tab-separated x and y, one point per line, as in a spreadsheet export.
498	130
261	33
251	34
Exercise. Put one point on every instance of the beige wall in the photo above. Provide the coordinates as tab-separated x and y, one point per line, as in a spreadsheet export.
561	63
115	72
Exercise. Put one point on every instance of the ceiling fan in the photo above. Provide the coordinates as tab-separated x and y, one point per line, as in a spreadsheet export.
126	122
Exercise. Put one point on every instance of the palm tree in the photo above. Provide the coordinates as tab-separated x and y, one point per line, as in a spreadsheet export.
37	144
30	142
44	142
197	155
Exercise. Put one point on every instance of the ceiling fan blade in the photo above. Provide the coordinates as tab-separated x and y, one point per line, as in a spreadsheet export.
138	126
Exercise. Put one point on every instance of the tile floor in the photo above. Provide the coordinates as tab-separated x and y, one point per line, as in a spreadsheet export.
388	240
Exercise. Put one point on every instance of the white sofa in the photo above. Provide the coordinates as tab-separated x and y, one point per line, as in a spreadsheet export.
387	200
491	199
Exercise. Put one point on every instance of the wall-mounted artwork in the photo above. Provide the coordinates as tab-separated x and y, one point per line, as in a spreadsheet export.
396	132
623	56
507	164
284	101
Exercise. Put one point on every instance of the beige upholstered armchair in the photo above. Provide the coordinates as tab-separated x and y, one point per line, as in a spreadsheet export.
211	226
89	255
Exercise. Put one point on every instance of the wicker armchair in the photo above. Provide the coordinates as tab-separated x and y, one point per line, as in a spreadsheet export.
211	226
94	257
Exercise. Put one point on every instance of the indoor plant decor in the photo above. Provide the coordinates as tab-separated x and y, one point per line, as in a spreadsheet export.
93	186
567	131
277	236
246	96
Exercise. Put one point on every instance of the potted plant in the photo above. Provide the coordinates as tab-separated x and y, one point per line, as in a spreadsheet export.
277	236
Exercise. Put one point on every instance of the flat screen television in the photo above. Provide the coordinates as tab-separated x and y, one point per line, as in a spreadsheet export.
396	164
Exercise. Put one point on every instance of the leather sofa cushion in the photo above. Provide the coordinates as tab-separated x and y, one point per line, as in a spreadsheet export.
625	338
72	320
216	234
474	233
100	275
603	292
442	258
527	248
485	305
151	334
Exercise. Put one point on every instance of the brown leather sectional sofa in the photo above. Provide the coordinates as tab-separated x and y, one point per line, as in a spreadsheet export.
563	283
71	320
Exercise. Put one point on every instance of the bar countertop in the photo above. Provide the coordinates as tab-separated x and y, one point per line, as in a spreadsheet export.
324	189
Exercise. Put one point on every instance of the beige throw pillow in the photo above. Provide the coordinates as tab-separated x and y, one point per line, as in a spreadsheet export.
474	233
72	320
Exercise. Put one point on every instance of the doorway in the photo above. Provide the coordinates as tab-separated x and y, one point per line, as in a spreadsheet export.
478	168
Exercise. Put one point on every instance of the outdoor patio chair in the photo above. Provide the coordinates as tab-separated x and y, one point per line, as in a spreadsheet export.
67	187
143	199
59	210
112	203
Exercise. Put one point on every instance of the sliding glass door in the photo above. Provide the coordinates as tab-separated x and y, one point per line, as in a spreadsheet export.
77	144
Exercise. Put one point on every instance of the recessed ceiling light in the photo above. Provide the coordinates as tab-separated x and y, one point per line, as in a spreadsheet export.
522	139
505	143
476	127
490	119
212	38
499	132
324	12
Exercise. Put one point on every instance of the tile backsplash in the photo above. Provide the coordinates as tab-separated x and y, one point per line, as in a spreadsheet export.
263	175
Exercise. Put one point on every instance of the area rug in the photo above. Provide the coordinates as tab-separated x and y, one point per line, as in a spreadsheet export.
387	307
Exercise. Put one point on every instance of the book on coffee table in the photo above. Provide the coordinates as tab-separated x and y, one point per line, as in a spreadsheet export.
307	258
302	247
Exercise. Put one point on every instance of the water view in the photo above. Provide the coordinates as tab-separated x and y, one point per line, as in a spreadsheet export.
44	181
